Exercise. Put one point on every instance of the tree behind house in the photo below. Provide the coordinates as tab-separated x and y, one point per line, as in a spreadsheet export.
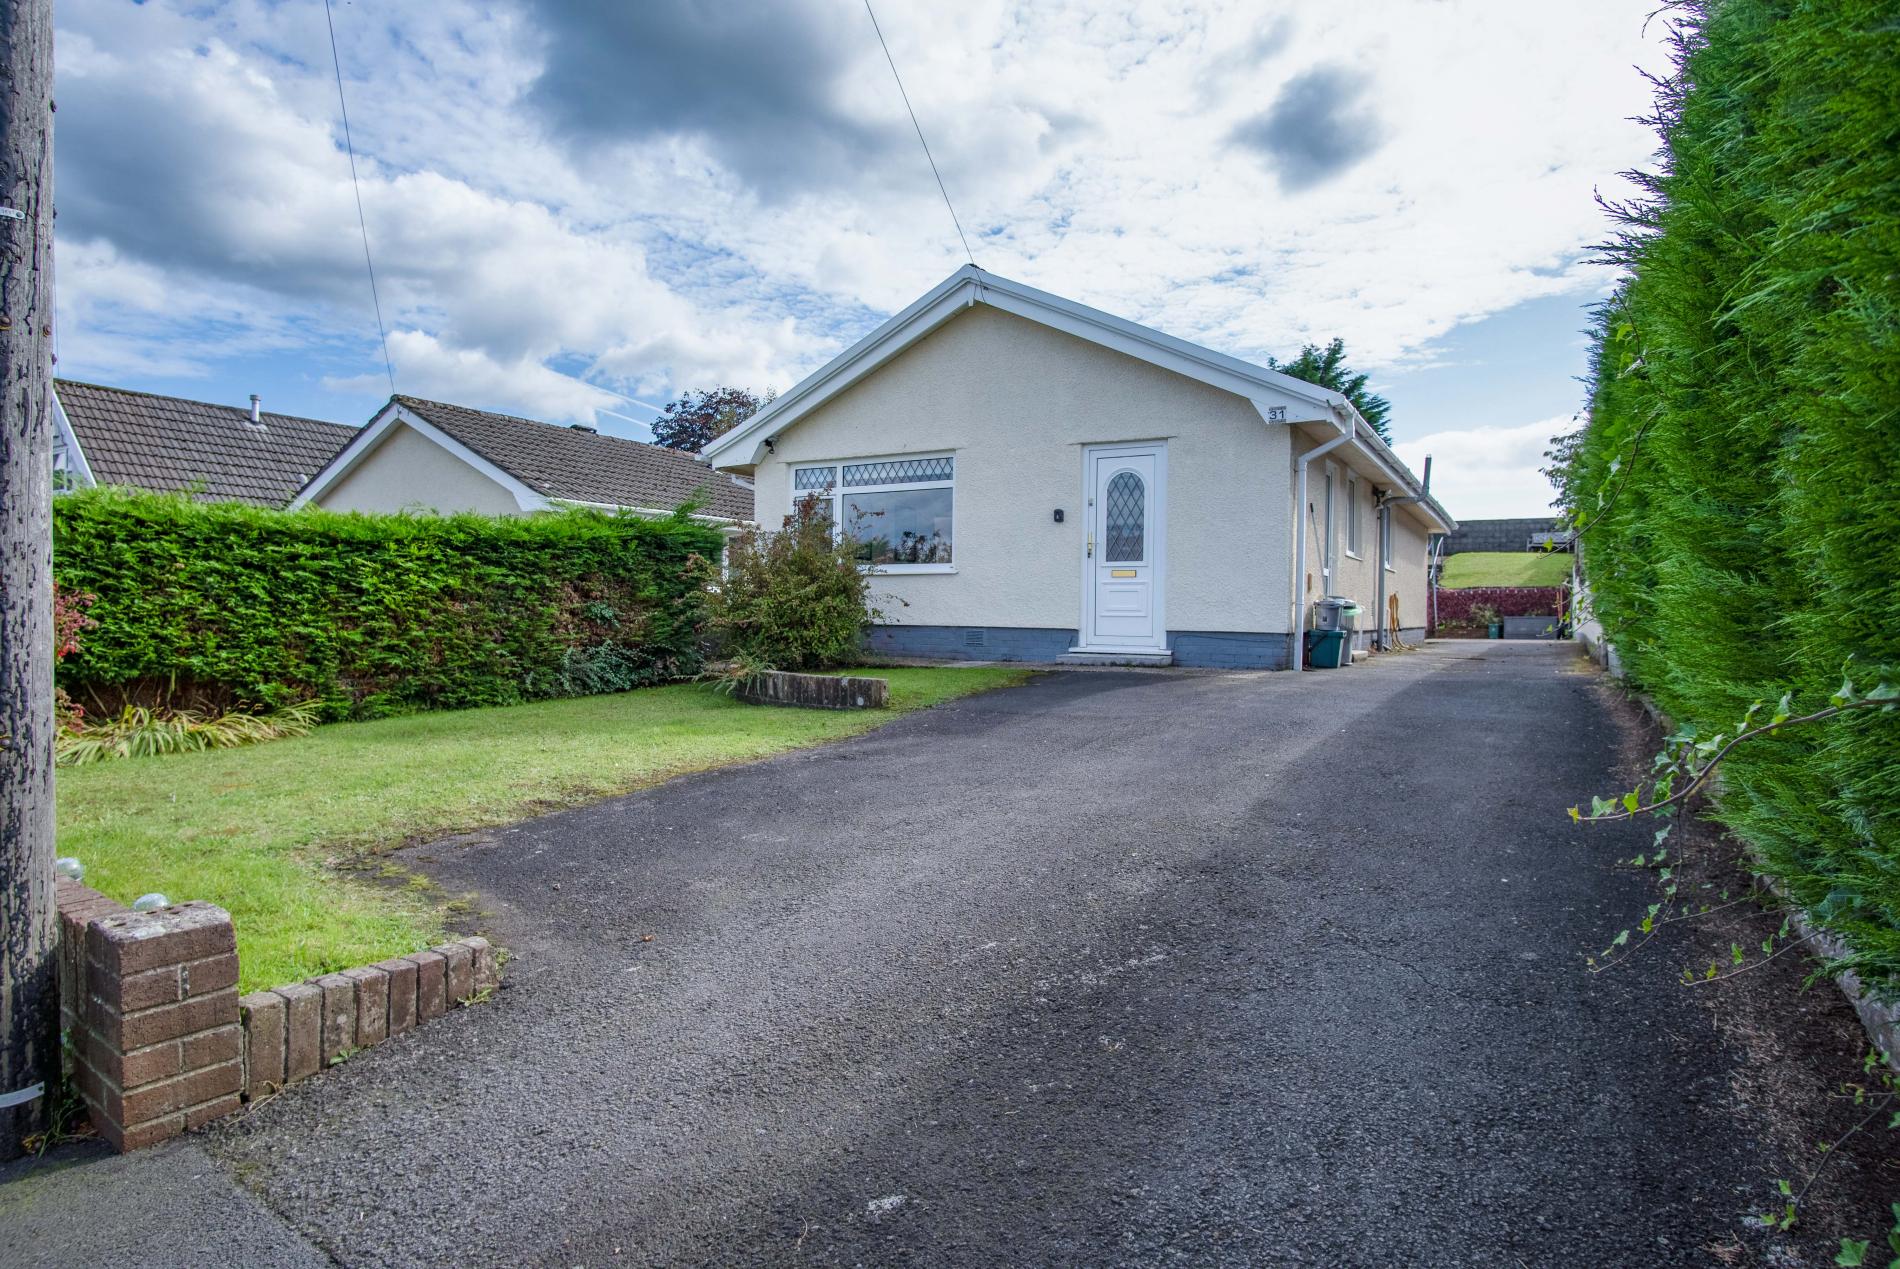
1326	368
697	417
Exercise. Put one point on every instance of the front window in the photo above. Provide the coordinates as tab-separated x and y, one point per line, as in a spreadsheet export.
899	511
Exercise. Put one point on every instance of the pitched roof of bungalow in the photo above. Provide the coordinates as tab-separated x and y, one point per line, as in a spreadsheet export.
214	452
559	464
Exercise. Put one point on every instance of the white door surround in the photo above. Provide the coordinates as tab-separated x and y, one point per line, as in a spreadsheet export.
1124	557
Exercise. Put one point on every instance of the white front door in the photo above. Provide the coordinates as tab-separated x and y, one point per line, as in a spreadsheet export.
1125	553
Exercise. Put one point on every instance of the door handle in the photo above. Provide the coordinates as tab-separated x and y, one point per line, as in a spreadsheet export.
1091	554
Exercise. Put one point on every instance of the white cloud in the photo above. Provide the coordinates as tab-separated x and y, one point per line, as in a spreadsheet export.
1088	152
1485	473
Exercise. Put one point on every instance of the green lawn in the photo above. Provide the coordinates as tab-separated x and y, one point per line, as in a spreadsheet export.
255	830
1506	568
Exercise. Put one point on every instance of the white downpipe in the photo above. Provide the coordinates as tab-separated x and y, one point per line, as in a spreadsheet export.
1298	613
1382	527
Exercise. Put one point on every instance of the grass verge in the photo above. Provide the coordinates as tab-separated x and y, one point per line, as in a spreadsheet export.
259	830
1506	568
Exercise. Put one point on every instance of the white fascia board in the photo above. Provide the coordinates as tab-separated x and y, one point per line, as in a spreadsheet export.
364	443
76	462
744	444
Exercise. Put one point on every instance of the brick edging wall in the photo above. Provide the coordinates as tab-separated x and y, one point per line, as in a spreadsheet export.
291	1033
815	691
160	1042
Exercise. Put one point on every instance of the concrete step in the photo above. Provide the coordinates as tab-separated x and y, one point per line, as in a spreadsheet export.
1117	658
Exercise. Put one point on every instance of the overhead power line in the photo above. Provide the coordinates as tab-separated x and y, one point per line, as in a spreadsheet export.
356	187
920	130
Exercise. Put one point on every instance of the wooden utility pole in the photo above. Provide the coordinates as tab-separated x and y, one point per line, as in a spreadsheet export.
29	1003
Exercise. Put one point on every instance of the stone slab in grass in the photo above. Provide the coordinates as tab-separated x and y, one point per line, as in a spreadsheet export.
815	691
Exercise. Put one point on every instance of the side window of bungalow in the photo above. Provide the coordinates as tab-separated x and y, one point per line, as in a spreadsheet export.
900	511
1354	546
1331	553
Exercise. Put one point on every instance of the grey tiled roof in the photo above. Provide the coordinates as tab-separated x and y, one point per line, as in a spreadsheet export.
577	466
173	445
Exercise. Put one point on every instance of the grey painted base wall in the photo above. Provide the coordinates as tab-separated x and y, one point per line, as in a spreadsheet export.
1216	649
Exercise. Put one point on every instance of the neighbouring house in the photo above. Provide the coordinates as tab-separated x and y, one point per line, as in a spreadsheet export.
428	455
114	436
1036	480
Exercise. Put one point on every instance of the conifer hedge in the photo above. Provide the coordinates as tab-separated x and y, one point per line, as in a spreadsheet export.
224	604
1740	475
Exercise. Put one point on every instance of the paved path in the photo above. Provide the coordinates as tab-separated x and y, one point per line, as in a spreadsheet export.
1112	968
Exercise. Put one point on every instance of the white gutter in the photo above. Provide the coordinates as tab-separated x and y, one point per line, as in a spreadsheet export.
1298	612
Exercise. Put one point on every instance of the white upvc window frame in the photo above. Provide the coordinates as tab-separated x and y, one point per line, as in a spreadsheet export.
1355	535
1329	550
837	491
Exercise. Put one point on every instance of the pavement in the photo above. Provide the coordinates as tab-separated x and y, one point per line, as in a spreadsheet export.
1106	969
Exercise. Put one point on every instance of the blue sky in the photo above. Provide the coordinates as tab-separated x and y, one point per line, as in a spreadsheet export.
580	209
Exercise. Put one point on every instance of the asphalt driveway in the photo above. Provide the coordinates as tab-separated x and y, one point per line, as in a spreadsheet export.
1111	968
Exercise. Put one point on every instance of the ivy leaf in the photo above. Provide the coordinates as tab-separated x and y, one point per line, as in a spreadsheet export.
1785	710
1786	1189
1631	801
1576	816
1735	953
1853	1252
1620	939
1663	832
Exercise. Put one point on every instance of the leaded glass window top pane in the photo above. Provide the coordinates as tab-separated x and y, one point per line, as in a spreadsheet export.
1125	519
813	478
902	471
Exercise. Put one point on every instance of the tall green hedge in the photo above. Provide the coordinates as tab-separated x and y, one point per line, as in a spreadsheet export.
1742	460
218	603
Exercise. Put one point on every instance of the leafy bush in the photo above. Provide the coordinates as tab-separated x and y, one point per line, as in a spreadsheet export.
795	599
1739	481
139	733
217	606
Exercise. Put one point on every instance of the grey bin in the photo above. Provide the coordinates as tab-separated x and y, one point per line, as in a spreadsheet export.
1335	612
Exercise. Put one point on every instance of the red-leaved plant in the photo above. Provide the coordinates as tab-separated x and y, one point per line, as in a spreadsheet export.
69	619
